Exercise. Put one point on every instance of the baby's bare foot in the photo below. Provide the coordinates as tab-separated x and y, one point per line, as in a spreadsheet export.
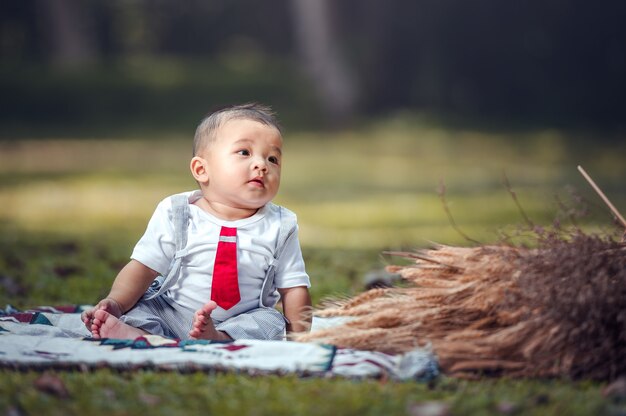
106	325
202	327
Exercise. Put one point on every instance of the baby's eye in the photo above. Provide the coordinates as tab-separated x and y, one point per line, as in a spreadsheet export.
243	152
274	160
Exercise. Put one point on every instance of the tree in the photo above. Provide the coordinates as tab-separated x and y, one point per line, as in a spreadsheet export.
69	32
316	43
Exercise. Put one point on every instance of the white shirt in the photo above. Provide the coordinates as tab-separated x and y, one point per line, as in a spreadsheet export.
256	245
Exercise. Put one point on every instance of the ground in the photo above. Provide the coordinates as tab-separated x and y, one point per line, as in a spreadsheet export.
70	212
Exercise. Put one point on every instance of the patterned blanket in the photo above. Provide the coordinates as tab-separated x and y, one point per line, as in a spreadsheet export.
54	337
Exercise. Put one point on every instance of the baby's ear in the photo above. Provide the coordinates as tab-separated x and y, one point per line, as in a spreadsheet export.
199	169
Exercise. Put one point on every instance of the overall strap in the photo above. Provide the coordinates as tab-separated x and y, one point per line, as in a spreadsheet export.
180	218
288	223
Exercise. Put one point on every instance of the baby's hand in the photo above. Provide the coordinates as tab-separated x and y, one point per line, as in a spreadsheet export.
109	305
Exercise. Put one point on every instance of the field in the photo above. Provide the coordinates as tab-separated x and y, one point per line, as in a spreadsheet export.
71	210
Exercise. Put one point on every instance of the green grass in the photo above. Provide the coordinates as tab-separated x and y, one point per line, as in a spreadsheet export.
70	212
139	392
375	187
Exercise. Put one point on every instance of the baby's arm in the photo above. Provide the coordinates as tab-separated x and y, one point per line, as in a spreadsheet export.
297	308
129	285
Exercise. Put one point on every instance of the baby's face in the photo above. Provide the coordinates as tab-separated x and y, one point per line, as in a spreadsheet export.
243	164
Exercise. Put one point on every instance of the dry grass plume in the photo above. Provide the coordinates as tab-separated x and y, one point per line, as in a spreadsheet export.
558	309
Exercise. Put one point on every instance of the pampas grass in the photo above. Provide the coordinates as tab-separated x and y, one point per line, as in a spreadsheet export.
558	309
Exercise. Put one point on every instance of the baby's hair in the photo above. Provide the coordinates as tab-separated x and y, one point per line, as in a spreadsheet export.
207	129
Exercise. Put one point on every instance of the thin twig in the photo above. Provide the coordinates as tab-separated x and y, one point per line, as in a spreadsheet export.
567	212
442	196
418	256
614	210
514	196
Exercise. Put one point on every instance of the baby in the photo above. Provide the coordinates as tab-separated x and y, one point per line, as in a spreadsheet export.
222	284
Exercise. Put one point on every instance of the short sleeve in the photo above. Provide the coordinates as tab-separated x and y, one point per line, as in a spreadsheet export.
157	247
291	270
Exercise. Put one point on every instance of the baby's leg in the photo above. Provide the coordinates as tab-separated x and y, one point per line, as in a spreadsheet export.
259	323
106	325
202	327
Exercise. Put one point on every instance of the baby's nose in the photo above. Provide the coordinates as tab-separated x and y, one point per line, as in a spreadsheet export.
260	163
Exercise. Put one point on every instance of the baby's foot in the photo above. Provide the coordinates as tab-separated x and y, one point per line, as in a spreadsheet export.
202	327
106	325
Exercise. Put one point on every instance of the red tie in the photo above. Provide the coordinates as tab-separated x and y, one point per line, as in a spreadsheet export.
225	285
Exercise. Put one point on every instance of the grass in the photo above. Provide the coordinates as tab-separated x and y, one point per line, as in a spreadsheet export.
374	188
140	392
70	212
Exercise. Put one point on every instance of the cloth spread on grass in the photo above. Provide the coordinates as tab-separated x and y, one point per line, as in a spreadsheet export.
55	337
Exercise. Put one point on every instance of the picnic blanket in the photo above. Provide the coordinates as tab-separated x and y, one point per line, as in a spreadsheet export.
55	337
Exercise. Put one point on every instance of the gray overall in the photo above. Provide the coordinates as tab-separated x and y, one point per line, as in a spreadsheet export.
157	314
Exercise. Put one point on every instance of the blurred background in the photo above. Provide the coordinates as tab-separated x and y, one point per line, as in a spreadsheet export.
121	66
397	115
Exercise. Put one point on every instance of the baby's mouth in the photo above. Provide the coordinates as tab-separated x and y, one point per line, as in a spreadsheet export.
257	181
